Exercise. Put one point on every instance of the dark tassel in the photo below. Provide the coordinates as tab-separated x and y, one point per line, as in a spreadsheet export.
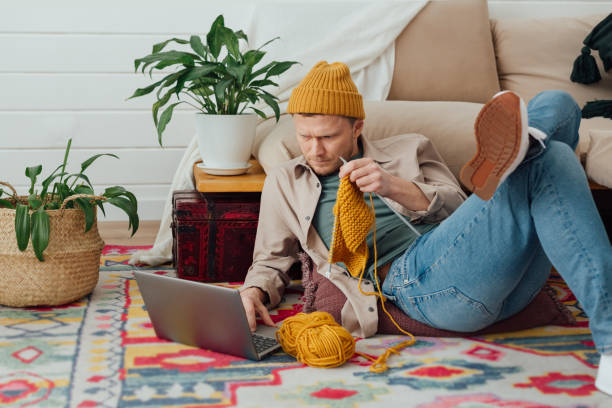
597	108
585	68
605	53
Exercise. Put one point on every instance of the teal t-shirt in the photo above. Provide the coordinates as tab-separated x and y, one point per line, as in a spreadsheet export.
393	237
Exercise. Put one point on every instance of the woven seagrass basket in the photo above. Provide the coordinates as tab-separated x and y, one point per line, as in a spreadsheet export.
69	271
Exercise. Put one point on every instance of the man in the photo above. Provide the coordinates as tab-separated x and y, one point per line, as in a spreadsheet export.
470	262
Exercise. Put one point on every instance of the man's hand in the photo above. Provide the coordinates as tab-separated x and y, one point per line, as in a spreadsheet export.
368	175
252	300
371	178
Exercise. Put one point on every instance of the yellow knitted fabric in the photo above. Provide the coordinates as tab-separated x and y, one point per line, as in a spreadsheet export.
329	90
353	219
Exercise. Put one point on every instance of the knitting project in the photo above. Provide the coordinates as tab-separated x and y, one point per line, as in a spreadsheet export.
353	219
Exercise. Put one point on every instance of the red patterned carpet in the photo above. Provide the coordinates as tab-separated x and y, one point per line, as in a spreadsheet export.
102	352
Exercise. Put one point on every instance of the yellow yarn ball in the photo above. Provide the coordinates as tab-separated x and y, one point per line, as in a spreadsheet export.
316	339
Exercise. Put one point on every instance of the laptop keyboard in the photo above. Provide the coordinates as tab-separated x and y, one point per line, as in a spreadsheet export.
263	343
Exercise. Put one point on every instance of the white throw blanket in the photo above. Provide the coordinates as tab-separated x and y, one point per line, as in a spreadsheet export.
361	35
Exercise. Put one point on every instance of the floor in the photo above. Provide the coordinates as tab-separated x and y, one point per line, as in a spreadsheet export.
117	233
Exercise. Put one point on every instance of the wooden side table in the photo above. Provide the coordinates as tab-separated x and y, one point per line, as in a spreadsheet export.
214	227
252	181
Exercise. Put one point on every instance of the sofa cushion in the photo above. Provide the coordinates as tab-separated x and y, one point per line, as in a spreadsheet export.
446	54
538	54
322	295
449	125
599	157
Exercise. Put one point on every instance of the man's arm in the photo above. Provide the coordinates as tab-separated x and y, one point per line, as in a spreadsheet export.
276	249
431	196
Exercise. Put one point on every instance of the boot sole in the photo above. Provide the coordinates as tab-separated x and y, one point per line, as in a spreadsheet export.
501	139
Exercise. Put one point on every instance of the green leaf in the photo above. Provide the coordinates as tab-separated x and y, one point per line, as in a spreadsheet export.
6	204
230	40
236	70
161	102
32	173
260	71
89	161
79	176
241	34
40	232
201	72
99	203
163	121
114	191
88	210
269	99
127	206
214	36
279	68
144	91
263	82
64	192
252	57
132	199
66	157
196	45
34	202
258	112
268	42
170	79
82	189
46	182
175	57
220	91
160	46
22	226
201	90
186	59
251	95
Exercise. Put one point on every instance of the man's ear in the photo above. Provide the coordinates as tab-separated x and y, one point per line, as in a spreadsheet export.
357	127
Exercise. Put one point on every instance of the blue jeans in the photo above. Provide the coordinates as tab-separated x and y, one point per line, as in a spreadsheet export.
489	259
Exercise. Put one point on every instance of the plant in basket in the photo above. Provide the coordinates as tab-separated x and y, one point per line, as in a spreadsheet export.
59	221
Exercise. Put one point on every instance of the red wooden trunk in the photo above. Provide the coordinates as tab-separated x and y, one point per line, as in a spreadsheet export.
214	234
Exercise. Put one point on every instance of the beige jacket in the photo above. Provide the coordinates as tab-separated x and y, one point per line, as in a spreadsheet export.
288	202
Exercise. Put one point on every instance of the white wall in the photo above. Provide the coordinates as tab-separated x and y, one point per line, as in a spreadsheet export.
66	68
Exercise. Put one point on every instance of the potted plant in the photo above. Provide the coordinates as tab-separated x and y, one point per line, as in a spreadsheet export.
223	84
49	242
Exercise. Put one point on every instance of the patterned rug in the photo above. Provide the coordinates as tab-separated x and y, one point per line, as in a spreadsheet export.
102	352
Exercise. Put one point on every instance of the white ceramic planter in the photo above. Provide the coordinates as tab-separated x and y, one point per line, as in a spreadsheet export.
225	142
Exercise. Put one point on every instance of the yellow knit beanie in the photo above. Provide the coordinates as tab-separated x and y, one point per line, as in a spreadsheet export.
329	90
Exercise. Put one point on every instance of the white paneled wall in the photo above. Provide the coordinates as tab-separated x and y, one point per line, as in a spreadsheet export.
66	68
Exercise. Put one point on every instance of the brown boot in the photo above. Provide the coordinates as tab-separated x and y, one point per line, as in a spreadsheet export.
502	140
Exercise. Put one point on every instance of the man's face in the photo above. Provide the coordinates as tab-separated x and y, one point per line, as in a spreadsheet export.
323	138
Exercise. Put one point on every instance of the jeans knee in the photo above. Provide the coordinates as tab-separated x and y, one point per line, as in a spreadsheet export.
558	98
560	157
567	114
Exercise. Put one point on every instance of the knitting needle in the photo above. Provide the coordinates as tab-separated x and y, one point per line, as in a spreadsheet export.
400	216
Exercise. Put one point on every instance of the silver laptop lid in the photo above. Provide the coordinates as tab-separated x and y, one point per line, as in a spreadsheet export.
199	314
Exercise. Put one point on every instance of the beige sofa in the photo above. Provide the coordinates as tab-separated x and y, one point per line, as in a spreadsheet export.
449	61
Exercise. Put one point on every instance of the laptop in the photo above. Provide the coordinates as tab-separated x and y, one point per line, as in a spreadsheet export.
203	315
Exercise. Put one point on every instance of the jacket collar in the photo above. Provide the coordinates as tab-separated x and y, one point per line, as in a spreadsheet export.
369	150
